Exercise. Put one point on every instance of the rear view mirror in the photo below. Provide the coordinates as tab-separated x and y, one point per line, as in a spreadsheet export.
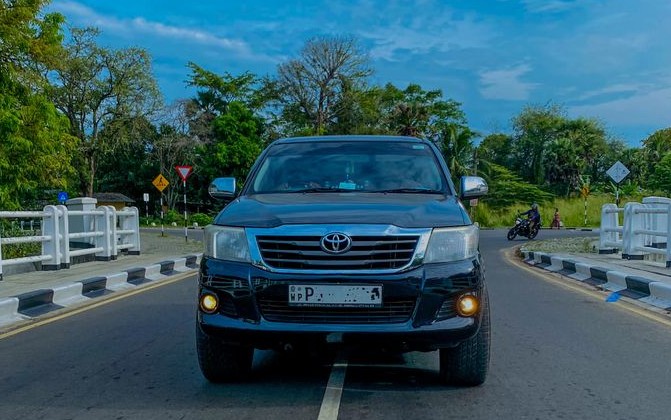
222	188
473	187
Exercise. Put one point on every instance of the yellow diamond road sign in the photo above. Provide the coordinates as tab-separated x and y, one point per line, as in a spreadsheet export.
160	182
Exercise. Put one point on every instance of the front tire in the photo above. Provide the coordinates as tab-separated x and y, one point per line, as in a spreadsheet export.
467	363
512	233
221	361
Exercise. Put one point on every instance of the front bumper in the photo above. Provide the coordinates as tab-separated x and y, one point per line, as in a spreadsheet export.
419	311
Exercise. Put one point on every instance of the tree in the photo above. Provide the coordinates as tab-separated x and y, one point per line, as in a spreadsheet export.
230	130
655	148
457	148
238	143
574	152
661	177
128	169
35	148
496	148
534	128
311	89
418	112
93	86
506	188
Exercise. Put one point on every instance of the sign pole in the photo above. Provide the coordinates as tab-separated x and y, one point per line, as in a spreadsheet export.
146	206
162	232
161	183
186	230
184	171
617	194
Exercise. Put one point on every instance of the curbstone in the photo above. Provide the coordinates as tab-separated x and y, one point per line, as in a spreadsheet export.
68	294
582	272
660	295
617	281
556	263
9	311
153	272
119	281
33	304
654	293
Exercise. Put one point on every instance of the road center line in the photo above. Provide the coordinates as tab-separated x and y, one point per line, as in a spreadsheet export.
331	402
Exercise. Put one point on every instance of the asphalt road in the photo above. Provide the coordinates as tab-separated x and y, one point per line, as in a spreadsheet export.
557	353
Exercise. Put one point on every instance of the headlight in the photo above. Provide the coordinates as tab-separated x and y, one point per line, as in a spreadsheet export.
226	243
452	244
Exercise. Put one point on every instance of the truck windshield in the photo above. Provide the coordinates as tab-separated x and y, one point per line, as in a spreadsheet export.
349	166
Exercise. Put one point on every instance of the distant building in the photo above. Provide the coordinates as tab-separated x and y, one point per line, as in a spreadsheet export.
116	200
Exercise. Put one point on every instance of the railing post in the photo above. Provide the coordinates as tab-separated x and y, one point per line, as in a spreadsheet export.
659	221
609	220
103	225
114	238
64	228
633	221
0	256
50	225
132	223
668	236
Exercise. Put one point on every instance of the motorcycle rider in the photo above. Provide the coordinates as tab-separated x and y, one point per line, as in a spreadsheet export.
533	215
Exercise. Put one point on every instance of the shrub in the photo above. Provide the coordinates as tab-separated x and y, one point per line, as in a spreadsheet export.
11	251
201	218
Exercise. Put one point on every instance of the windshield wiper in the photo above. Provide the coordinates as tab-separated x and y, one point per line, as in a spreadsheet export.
324	189
409	191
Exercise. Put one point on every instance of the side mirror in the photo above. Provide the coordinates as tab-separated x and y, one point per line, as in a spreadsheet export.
222	188
473	187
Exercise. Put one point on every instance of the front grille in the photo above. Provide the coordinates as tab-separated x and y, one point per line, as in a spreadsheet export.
227	284
394	310
366	253
448	309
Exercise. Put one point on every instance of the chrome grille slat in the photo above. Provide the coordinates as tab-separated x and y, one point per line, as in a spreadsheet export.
367	252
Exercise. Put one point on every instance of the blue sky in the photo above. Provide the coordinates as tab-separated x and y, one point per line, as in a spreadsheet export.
609	60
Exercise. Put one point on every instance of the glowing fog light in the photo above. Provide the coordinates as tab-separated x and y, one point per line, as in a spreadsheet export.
467	305
209	303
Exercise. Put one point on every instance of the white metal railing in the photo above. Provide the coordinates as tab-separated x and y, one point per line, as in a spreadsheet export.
103	232
646	229
610	237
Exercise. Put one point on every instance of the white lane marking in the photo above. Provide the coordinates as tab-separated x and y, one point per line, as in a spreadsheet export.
331	402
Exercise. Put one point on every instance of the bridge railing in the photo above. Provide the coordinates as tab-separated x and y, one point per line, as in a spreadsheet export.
646	229
102	232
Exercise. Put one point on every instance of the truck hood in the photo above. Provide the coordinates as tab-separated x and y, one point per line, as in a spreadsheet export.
402	210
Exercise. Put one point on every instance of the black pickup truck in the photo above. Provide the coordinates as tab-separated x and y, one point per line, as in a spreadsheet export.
356	240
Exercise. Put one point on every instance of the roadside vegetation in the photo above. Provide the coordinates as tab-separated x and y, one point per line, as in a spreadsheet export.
80	117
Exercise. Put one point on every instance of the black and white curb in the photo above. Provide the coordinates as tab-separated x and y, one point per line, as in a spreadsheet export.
652	292
32	304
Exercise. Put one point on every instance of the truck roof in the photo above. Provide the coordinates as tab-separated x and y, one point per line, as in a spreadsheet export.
380	138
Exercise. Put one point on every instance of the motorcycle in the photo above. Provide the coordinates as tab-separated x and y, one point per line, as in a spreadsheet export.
521	228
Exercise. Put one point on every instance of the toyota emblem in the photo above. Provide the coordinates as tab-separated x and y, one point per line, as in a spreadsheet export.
336	243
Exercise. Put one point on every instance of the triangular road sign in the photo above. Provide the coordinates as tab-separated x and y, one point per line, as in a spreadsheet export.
184	171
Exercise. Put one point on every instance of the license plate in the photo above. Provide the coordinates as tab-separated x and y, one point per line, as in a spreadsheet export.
367	296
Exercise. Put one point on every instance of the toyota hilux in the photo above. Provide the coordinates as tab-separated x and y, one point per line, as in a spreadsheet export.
351	240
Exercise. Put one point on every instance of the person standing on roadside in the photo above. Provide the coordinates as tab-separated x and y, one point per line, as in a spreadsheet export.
556	220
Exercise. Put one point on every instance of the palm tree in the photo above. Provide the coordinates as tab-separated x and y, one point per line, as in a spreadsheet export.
456	145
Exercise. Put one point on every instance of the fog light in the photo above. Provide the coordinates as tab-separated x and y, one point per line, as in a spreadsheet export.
209	303
467	305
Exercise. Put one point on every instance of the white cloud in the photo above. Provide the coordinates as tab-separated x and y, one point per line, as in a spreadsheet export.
506	84
142	28
644	108
549	6
426	27
622	88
